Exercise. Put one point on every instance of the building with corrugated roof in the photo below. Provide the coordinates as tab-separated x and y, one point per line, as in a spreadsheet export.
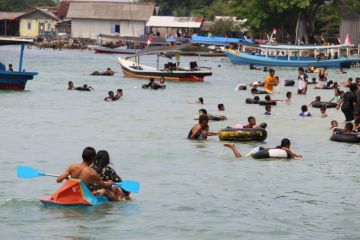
88	19
9	23
174	26
37	22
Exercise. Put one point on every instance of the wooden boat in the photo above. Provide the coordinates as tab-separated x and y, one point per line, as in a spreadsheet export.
170	71
15	80
291	56
74	192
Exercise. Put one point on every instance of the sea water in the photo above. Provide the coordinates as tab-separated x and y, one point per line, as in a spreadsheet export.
189	189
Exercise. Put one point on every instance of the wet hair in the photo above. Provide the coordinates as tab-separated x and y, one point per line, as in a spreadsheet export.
330	83
267	98
203	110
70	82
256	98
350	79
323	107
108	69
288	94
203	118
285	142
317	98
304	108
220	106
353	87
111	93
268	108
313	79
334	122
250	118
102	159
201	100
301	69
349	126
119	90
271	70
88	154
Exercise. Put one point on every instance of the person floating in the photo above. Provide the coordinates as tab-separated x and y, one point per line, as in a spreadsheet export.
85	88
110	97
323	111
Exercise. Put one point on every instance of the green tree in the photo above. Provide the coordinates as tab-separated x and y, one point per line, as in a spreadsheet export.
262	15
20	5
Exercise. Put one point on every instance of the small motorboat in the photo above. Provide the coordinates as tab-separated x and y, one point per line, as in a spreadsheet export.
74	193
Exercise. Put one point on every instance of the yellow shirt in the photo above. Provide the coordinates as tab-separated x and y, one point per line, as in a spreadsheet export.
269	83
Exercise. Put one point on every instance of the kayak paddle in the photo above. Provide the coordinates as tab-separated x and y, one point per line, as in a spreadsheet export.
29	172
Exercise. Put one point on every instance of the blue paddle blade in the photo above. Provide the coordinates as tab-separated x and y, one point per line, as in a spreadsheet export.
128	185
28	172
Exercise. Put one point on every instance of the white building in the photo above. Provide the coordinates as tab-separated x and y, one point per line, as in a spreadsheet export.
88	19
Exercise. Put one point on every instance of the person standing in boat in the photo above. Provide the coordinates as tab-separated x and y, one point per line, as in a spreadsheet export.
84	172
10	68
302	81
270	81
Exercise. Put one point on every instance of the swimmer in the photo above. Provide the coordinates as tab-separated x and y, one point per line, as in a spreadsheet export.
323	111
349	128
118	95
334	124
110	97
162	82
317	99
200	100
304	112
201	112
85	88
201	131
251	124
221	107
109	72
233	148
267	110
288	98
346	83
270	81
71	85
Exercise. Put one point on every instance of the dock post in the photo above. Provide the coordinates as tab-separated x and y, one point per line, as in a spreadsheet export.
21	57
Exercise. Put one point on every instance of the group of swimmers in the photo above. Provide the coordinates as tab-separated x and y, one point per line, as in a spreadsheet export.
85	87
153	85
97	173
114	97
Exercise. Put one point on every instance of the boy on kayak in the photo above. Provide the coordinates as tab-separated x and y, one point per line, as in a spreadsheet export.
88	175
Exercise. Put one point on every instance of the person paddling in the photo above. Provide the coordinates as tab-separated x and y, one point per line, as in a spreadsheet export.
84	172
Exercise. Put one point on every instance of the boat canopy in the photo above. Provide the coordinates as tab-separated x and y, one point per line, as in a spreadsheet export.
141	39
160	49
304	47
221	41
14	41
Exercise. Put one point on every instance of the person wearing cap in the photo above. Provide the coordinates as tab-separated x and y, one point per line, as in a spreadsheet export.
270	81
302	81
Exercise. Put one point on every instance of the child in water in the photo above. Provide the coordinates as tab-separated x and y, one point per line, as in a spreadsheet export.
334	124
267	110
288	98
304	112
323	111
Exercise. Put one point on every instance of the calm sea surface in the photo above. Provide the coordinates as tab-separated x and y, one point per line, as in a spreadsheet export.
190	189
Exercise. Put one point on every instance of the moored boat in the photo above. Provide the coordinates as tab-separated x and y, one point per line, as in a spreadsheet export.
15	80
292	56
171	71
74	192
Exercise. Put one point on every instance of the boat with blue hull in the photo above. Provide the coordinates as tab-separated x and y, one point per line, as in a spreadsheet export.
15	80
292	56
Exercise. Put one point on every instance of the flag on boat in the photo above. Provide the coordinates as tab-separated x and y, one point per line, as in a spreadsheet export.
339	40
347	39
149	39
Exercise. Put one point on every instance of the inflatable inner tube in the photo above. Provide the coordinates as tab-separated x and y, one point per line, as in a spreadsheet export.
97	73
259	92
240	87
326	104
243	134
289	83
251	101
83	89
217	117
270	153
341	137
267	102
